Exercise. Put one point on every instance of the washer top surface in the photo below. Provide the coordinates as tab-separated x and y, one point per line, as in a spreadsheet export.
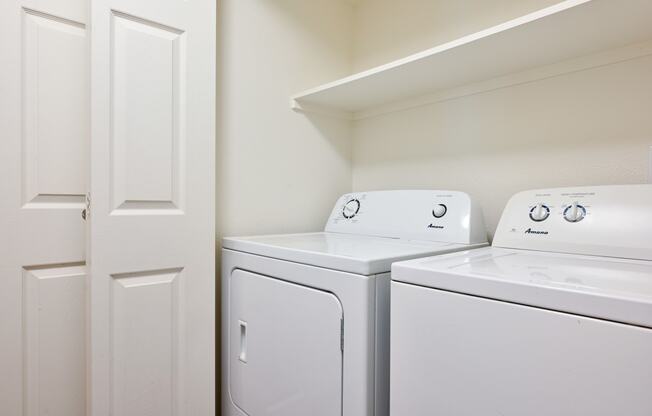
351	253
607	288
584	250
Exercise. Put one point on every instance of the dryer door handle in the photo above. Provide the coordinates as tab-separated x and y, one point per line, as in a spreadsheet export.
243	342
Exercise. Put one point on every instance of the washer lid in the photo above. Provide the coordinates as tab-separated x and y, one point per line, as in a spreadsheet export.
345	252
607	288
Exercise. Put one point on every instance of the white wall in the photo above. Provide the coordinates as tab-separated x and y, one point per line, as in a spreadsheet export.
279	171
589	127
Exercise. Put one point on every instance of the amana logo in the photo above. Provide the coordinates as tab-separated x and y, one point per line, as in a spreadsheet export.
439	227
531	231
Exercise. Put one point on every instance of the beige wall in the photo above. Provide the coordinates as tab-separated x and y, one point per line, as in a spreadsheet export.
589	127
279	171
385	30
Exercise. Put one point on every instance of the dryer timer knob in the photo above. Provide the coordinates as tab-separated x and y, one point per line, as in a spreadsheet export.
351	208
439	210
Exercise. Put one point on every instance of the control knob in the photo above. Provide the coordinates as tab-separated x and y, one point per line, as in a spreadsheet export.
439	211
539	212
574	212
351	208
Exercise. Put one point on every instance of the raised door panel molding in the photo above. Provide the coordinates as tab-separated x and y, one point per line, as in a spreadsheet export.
55	111
146	342
54	328
147	120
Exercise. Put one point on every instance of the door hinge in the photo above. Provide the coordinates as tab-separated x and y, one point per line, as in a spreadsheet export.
342	334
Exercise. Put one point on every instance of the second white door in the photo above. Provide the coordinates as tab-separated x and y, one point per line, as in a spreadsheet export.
152	239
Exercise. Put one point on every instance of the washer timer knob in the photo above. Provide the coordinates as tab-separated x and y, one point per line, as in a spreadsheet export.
351	208
439	210
574	212
539	212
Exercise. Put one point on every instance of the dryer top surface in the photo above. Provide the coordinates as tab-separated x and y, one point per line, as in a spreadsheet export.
351	253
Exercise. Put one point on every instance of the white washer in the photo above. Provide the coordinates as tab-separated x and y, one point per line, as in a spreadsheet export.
554	319
305	317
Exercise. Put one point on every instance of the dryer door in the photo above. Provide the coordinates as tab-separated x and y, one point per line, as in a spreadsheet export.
284	351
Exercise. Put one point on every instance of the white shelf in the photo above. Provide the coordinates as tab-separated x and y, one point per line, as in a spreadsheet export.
565	31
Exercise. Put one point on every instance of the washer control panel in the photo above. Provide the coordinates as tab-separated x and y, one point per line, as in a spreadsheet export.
613	221
447	216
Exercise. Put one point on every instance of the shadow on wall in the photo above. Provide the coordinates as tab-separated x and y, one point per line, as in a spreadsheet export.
268	157
219	105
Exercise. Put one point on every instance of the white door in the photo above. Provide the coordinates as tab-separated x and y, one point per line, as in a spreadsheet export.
43	170
285	353
151	245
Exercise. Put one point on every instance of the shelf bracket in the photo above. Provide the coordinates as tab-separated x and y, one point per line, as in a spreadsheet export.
308	108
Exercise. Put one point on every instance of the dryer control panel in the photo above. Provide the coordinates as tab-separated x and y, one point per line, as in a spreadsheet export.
614	221
446	216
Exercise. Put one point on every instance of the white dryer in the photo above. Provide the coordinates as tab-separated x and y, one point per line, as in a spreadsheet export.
305	317
554	319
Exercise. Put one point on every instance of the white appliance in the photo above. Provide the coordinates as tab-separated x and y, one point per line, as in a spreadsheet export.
554	319
305	317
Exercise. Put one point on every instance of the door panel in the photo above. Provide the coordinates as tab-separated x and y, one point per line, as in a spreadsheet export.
146	311
285	354
44	125
148	72
55	343
55	143
152	241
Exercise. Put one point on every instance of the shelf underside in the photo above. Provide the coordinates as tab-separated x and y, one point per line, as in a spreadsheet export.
566	31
